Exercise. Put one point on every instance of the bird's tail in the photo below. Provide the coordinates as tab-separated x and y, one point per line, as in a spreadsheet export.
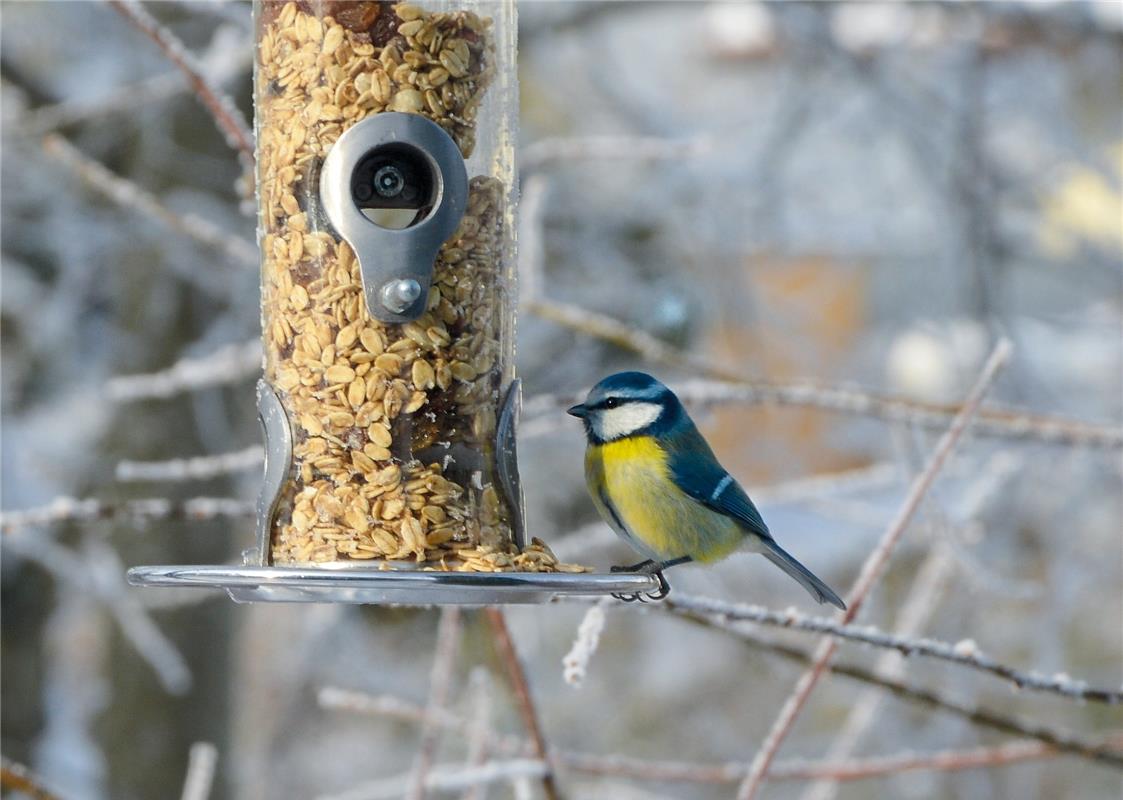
819	590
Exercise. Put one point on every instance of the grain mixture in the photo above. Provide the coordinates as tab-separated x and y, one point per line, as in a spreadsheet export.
392	424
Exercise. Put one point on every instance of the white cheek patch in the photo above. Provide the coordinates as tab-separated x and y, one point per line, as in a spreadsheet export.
614	423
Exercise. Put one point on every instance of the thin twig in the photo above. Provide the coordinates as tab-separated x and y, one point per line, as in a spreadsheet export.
232	363
226	115
510	746
440	678
16	777
872	570
201	762
965	653
129	195
505	647
68	509
197	468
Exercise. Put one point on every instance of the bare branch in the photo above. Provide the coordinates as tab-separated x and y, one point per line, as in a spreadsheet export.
872	571
129	195
440	678
517	676
226	115
197	468
965	653
233	363
201	762
68	509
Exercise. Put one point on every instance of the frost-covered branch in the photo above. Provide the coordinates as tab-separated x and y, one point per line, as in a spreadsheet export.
965	653
129	195
226	115
197	468
618	765
992	422
872	570
201	762
576	661
232	363
69	509
448	779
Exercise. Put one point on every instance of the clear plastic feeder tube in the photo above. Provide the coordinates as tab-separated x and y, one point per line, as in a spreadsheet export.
393	424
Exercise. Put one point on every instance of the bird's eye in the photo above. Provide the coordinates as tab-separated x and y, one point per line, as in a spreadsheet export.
611	402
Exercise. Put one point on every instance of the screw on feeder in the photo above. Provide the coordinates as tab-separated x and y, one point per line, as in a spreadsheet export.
397	296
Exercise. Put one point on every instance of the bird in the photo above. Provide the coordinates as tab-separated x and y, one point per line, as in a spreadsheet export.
656	482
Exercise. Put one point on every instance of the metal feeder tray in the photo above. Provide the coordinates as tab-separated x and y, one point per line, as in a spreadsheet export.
345	584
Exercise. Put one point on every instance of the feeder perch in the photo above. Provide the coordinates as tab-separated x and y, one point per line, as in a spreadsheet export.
389	402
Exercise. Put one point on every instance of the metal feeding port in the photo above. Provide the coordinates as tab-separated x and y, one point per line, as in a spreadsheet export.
389	401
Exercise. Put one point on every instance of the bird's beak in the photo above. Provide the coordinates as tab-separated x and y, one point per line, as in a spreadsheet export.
578	410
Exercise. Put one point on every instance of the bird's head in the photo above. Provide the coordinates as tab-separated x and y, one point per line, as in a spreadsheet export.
627	404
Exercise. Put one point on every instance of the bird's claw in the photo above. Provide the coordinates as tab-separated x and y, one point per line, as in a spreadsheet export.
645	597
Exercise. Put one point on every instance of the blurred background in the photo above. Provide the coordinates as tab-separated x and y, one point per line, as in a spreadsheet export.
826	197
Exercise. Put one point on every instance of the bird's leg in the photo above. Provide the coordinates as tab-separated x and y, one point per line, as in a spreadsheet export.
643	565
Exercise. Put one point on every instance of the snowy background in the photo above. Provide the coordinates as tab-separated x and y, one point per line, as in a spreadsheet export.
863	195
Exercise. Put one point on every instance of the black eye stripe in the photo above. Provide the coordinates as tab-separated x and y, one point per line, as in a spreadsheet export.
616	402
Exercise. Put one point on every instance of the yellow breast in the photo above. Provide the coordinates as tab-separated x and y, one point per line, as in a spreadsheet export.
637	482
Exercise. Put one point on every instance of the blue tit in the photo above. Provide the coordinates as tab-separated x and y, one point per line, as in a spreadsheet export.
659	486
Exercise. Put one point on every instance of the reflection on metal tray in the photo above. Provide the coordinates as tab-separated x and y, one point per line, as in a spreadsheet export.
322	584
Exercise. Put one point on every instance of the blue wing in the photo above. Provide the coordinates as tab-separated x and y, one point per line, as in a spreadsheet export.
697	473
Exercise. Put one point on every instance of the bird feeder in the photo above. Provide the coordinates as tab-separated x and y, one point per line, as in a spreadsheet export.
389	402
